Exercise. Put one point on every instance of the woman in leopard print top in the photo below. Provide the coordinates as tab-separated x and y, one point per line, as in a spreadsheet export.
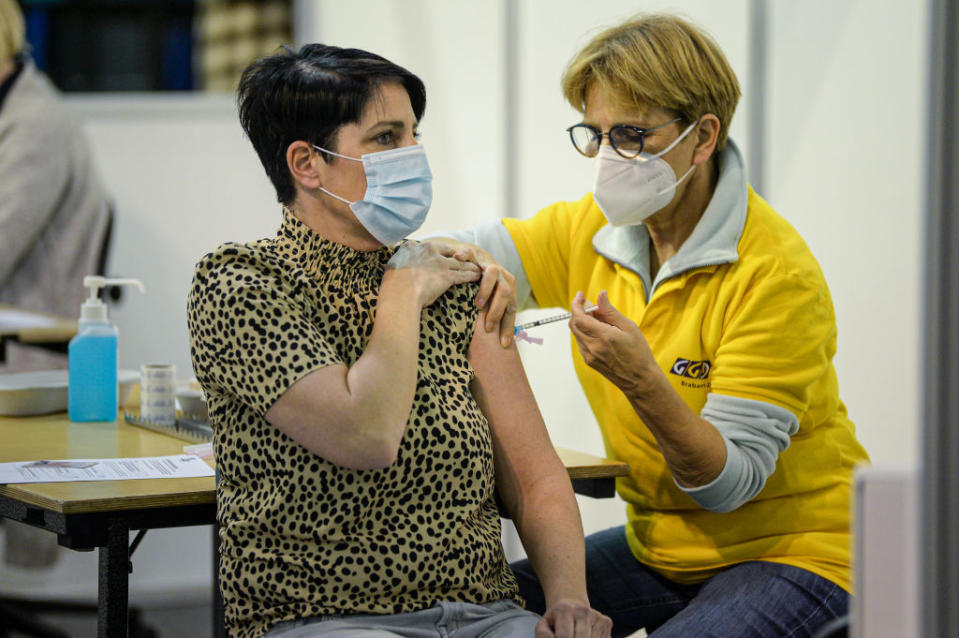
363	426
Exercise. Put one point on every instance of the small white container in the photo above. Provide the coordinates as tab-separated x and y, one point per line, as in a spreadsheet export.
192	403
156	372
156	401
158	393
164	389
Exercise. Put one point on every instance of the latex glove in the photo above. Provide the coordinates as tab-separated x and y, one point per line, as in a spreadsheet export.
431	272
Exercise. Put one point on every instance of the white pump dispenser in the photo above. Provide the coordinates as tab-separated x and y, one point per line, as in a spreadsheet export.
93	308
92	357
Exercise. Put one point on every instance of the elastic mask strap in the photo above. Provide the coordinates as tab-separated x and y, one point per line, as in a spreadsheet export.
345	201
334	196
677	182
675	142
320	148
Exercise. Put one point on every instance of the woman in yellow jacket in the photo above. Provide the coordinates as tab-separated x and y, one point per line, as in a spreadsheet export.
708	364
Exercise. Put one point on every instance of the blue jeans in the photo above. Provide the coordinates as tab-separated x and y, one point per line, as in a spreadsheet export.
755	599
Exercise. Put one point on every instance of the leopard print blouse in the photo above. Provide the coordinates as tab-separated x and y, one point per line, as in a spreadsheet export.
301	536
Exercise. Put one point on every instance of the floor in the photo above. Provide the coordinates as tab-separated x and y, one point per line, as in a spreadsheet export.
195	621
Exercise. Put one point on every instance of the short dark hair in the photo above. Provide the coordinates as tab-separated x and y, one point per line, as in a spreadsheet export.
308	95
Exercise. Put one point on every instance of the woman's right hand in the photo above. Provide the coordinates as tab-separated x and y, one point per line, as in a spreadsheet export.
497	290
431	270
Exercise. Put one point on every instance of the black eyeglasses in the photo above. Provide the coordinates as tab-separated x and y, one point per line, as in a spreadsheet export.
626	140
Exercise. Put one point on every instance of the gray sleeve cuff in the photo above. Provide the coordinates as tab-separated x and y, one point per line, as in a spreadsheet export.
755	433
467	235
493	237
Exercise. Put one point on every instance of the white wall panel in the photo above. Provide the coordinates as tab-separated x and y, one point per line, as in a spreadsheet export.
846	112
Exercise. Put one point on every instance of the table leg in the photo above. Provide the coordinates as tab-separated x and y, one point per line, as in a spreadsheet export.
114	584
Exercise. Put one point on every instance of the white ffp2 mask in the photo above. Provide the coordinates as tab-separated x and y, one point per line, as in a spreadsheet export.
628	191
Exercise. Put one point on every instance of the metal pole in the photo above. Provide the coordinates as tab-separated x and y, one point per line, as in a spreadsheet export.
939	513
305	18
758	52
510	104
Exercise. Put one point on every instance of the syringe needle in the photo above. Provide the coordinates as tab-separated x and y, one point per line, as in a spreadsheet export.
554	319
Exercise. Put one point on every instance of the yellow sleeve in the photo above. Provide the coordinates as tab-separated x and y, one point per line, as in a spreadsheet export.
778	344
545	243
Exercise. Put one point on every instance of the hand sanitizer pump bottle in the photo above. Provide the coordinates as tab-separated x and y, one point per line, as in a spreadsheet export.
92	357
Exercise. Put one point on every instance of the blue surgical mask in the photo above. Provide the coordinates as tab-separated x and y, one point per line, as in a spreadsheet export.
399	191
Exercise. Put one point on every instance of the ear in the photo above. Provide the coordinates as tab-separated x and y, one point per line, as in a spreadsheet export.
300	161
707	134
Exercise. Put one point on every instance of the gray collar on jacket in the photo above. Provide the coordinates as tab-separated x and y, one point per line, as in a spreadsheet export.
713	241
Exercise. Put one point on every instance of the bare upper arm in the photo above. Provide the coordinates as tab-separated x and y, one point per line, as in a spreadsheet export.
316	412
523	451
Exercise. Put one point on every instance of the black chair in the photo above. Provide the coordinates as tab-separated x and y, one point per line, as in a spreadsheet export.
109	293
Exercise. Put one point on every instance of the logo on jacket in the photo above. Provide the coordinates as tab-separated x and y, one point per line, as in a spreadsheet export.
691	369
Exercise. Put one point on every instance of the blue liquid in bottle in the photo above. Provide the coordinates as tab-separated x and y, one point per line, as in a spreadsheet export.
92	360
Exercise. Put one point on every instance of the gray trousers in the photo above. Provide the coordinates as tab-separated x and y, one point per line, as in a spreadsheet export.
501	619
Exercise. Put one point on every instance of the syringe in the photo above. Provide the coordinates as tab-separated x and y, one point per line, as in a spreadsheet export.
540	322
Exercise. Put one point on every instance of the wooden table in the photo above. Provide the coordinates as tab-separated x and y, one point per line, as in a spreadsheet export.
101	514
592	475
21	326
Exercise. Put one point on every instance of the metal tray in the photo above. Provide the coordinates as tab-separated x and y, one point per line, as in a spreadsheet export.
184	429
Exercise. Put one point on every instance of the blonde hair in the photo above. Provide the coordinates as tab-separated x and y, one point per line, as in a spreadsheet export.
11	30
657	60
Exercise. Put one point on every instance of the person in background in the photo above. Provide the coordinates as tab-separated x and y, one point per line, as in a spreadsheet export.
363	427
53	208
709	362
53	216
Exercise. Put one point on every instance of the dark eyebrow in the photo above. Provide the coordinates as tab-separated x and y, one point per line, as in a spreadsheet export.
391	124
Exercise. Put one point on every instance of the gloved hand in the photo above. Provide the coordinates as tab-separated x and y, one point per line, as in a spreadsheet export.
431	269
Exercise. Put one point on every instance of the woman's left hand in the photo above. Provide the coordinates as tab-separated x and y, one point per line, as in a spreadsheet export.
573	619
611	344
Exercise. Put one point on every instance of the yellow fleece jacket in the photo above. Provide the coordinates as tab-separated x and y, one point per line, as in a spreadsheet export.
758	324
